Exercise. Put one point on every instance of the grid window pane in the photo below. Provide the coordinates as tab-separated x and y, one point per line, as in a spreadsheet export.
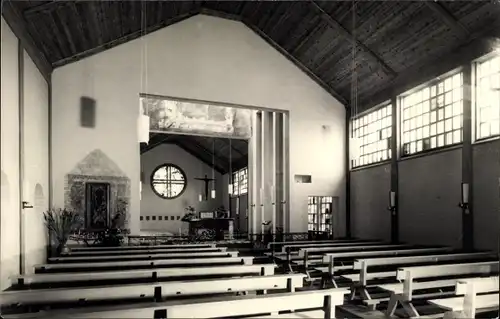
240	182
488	98
432	116
373	132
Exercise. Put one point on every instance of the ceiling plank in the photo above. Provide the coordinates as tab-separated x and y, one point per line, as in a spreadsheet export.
278	48
124	39
154	142
431	69
45	8
458	28
349	37
197	156
16	22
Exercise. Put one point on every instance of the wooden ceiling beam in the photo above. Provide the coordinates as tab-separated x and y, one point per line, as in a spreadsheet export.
349	37
18	25
154	142
458	28
124	39
278	48
44	8
218	168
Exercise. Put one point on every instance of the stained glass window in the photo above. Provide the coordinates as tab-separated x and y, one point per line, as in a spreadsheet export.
168	181
488	98
432	116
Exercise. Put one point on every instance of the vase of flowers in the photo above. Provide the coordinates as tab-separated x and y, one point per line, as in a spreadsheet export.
60	224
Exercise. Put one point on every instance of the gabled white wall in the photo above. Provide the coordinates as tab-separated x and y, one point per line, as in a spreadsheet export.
153	205
36	166
9	240
203	58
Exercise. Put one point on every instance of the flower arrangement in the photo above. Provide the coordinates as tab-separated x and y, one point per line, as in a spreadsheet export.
60	224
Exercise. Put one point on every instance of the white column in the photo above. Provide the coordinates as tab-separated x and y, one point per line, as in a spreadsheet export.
254	172
286	172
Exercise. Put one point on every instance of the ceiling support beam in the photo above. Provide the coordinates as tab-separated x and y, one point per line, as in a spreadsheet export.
349	37
155	142
458	28
46	7
18	24
278	48
430	69
124	39
197	156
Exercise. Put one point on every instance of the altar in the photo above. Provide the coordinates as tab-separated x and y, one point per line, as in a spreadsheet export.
210	228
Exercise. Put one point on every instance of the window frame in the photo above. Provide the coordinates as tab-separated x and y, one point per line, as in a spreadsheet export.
418	88
352	129
476	91
238	183
151	180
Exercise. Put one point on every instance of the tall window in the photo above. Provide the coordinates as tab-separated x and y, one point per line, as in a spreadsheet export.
319	213
432	116
488	98
373	135
168	181
240	182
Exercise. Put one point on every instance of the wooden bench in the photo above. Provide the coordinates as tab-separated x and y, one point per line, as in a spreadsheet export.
364	264
329	258
322	250
141	251
143	263
151	290
71	277
409	274
466	306
250	305
143	256
273	245
123	248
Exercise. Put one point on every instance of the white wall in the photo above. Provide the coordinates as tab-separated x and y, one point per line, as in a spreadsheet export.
9	243
153	205
203	58
36	163
35	160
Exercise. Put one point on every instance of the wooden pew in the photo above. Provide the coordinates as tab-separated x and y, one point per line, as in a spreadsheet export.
143	256
142	263
122	248
466	306
293	249
409	274
148	274
142	251
150	291
329	258
363	266
279	244
326	299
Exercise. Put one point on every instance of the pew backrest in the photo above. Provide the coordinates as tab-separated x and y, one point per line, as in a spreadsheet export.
143	251
152	290
326	250
481	285
386	252
361	263
433	271
264	269
98	248
222	307
144	256
326	245
150	263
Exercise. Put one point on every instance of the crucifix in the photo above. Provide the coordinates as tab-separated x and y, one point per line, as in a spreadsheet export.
207	181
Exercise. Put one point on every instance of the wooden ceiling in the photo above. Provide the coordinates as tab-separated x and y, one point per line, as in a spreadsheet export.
225	155
397	42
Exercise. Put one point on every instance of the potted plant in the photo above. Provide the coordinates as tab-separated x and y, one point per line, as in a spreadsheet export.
60	224
113	236
190	214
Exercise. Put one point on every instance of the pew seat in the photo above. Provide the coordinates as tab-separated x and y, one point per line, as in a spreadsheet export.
152	290
54	278
141	251
248	305
456	304
149	247
312	314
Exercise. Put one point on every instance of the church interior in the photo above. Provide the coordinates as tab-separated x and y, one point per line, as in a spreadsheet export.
250	159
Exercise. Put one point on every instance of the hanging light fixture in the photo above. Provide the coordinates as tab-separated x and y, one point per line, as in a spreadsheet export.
230	186
355	143
143	118
213	169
